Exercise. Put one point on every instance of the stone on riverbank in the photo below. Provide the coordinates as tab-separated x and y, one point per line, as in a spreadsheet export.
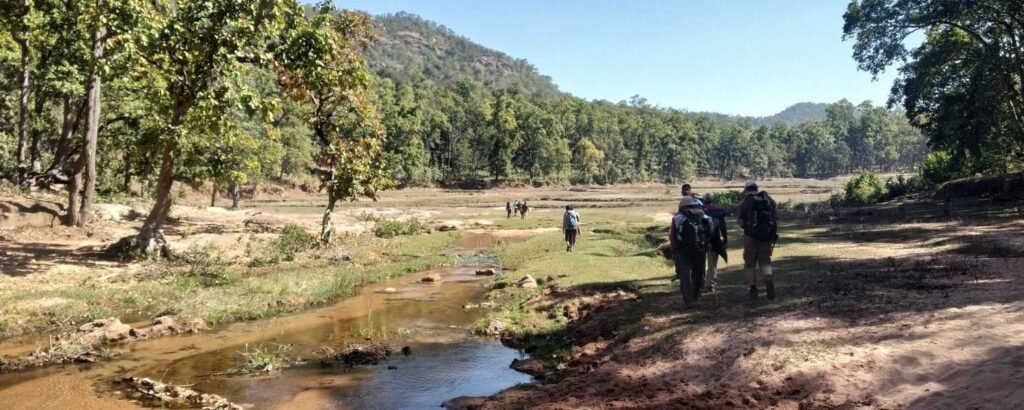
533	367
527	282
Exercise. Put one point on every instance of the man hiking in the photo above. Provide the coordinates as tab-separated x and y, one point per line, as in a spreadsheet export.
523	209
508	210
758	217
571	227
515	208
716	213
689	238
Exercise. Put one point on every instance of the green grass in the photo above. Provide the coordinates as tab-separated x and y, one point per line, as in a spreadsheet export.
263	358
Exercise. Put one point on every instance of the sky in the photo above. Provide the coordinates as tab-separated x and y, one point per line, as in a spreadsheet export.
741	57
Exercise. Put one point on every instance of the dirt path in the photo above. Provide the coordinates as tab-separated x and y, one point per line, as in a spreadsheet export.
886	315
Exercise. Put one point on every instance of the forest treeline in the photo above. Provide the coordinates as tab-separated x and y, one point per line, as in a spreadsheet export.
104	97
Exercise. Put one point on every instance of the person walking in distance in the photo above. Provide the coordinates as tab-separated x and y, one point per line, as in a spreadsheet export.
716	213
689	236
571	227
758	216
515	208
523	209
508	210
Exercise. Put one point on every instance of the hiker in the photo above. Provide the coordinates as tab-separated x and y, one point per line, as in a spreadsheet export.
717	213
687	192
523	208
758	217
689	237
515	208
508	210
571	227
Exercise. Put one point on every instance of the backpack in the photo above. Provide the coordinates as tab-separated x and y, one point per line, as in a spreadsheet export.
693	230
762	225
573	219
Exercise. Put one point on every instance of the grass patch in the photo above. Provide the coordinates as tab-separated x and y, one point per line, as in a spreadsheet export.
390	228
263	358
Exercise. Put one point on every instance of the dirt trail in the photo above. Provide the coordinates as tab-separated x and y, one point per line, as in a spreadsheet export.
895	316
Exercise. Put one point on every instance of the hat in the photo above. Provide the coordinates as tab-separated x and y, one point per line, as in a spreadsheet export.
709	197
687	201
749	184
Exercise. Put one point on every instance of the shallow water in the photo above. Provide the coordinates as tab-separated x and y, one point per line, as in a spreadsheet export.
447	361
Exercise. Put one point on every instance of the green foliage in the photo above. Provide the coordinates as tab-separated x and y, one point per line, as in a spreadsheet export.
939	167
204	265
962	85
729	200
292	240
864	189
389	228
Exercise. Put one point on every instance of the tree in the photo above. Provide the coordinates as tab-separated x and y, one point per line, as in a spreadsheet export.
192	53
964	85
321	63
587	161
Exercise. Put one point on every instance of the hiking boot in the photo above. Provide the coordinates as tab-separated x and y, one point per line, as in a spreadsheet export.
753	293
769	285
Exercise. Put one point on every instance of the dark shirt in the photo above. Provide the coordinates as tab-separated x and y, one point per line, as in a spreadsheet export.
746	207
718	214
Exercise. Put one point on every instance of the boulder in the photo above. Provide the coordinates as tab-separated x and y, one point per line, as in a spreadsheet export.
464	403
527	282
105	331
432	278
487	272
533	367
389	290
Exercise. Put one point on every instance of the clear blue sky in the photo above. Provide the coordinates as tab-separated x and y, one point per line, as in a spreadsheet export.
746	57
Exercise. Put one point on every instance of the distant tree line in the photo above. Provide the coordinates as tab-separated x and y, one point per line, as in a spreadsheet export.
467	132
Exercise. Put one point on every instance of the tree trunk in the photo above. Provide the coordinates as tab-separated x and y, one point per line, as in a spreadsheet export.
74	190
68	126
126	176
150	239
92	122
23	106
326	228
37	135
213	195
233	189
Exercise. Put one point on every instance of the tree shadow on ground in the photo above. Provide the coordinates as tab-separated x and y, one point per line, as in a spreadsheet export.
847	293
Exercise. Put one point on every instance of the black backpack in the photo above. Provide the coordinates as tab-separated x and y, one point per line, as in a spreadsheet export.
693	230
761	225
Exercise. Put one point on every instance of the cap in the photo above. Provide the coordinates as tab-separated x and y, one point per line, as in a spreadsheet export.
749	184
709	197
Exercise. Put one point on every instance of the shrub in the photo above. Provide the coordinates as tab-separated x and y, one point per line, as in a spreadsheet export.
293	239
938	168
730	200
865	189
204	264
389	228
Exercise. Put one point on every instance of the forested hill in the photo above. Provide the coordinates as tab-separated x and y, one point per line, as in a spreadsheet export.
410	45
795	114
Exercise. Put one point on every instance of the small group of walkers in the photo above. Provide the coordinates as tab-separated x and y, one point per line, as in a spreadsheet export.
517	208
698	237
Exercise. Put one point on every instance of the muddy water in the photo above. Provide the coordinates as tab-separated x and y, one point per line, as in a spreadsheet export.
446	360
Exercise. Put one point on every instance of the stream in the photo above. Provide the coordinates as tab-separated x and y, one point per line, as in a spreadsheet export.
446	360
